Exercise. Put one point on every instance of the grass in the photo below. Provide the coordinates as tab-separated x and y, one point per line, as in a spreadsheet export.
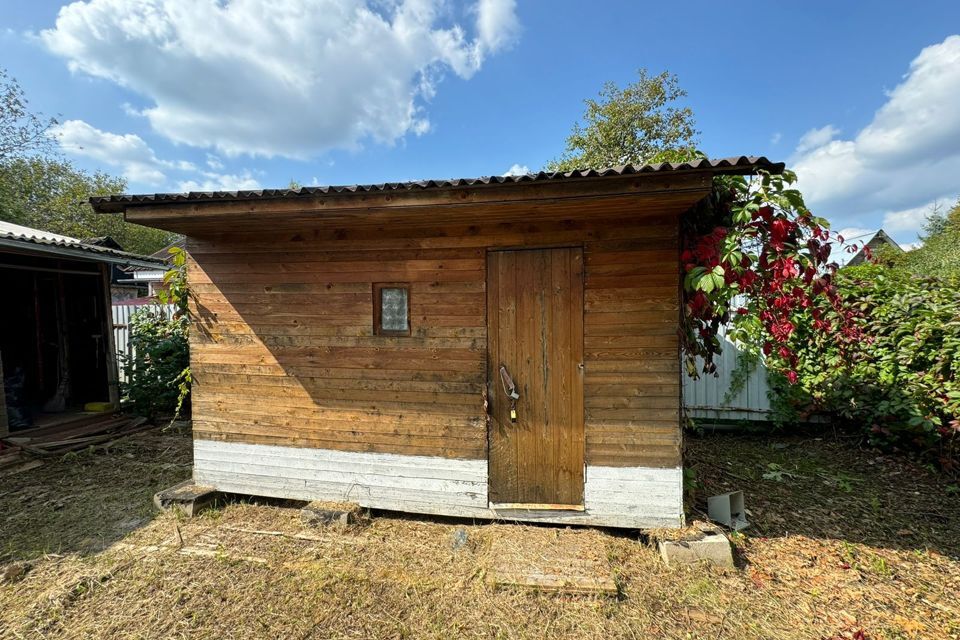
842	540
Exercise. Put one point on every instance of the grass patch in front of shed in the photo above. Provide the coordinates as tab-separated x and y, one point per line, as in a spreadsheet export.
818	562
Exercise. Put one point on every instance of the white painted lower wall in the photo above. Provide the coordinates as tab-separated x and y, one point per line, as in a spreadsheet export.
632	497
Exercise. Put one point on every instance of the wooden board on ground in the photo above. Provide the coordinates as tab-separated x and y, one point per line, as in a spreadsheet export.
561	561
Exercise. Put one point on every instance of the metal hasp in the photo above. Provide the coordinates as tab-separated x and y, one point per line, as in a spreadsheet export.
510	389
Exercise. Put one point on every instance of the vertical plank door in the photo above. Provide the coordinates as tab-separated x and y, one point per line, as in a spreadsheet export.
535	331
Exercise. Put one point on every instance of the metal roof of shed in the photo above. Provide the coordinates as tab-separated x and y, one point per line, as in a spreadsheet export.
738	165
27	239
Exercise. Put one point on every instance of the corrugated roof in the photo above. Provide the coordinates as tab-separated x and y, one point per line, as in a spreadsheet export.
19	237
740	165
12	230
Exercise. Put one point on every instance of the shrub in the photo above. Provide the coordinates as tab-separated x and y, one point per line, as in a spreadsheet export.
900	382
158	372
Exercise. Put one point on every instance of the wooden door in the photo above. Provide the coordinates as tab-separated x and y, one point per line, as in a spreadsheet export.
535	332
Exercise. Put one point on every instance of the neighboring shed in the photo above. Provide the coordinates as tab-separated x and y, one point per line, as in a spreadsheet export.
121	286
361	343
56	334
877	242
152	279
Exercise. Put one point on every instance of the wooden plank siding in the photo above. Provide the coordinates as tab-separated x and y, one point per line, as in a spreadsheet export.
283	351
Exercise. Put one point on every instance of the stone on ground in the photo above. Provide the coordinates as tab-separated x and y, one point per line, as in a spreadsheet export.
707	544
186	497
325	513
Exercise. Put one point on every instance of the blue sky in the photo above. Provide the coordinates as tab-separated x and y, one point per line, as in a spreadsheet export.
862	98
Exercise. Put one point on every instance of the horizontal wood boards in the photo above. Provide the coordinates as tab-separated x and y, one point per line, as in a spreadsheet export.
284	352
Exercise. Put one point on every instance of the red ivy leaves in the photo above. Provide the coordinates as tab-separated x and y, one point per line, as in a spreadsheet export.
773	253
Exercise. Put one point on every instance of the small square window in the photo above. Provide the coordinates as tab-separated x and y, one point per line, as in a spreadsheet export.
391	303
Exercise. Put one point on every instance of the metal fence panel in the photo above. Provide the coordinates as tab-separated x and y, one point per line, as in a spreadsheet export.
706	398
121	330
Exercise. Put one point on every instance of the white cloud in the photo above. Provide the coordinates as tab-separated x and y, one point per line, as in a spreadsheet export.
497	24
290	78
220	182
817	138
517	170
776	138
214	162
130	155
908	219
905	158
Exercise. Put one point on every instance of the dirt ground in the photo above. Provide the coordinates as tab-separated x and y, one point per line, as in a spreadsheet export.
844	543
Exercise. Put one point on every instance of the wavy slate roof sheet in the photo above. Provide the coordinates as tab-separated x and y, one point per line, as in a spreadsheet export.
18	236
740	165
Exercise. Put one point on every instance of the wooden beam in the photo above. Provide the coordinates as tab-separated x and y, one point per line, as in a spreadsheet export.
482	204
4	423
113	378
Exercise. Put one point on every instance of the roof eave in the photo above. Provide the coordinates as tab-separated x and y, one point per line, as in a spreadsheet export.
77	253
742	165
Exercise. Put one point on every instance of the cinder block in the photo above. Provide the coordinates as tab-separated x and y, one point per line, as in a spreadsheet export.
186	497
712	547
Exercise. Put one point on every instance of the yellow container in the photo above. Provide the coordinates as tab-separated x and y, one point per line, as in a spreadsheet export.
99	407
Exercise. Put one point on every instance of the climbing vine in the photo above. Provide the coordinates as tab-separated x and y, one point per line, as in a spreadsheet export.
165	345
754	259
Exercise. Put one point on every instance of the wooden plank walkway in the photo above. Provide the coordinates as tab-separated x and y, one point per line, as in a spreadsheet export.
563	561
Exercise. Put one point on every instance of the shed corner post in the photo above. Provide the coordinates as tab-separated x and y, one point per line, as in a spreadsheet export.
4	424
113	377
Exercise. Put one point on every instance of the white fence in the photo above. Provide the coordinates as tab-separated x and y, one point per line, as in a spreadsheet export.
121	329
707	398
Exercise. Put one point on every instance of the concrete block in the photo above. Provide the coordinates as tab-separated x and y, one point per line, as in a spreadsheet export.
728	510
321	513
711	546
187	497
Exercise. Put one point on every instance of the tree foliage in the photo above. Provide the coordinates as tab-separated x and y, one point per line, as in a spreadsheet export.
159	369
755	260
900	382
633	124
22	132
51	194
42	190
939	256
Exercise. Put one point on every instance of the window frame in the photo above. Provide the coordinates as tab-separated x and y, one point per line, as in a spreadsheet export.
378	329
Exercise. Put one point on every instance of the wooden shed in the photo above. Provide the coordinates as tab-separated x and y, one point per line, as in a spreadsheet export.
496	347
56	329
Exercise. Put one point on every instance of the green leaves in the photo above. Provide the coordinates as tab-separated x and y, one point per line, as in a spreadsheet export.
638	124
700	279
158	369
901	384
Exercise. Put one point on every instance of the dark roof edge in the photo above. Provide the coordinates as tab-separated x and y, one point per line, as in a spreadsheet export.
78	251
743	165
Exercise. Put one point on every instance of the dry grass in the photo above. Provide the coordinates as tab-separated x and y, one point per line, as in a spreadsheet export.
820	560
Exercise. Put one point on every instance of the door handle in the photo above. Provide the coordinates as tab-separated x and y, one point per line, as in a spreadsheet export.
509	387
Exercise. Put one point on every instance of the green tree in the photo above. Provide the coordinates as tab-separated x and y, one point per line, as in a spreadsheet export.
51	194
631	125
42	190
22	132
939	256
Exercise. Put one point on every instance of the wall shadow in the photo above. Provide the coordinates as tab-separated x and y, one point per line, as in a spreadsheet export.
85	501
